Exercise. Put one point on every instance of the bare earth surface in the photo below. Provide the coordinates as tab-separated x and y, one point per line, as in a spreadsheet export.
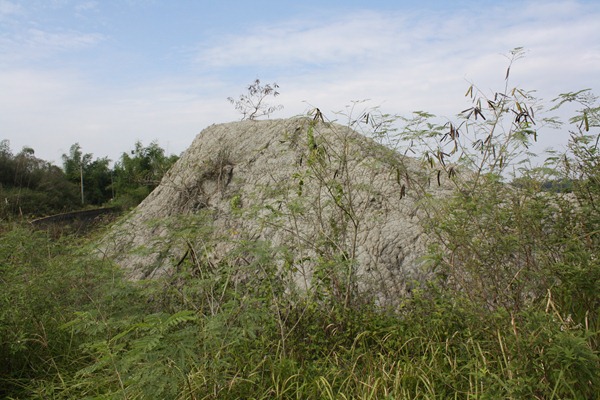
312	190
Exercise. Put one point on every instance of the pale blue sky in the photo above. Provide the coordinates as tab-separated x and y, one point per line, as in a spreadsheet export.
107	73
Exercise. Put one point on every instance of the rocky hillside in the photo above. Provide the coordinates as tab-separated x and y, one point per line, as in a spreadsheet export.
319	194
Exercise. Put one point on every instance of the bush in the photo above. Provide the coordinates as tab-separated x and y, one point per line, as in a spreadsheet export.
44	283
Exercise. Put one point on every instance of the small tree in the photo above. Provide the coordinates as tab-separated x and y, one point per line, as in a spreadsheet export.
137	173
74	164
252	105
93	176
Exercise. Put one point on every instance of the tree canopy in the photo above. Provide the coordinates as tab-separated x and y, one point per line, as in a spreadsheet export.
32	187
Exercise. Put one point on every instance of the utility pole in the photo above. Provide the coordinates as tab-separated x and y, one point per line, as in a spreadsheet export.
81	176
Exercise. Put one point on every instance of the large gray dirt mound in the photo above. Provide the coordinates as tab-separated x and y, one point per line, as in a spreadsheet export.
314	191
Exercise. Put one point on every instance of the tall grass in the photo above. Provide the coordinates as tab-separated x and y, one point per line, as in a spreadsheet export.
86	333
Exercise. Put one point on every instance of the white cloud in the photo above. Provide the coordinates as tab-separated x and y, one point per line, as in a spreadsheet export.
8	8
37	44
403	62
408	62
418	53
51	110
61	41
349	38
86	6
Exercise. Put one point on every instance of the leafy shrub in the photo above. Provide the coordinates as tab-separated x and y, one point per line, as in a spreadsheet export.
44	282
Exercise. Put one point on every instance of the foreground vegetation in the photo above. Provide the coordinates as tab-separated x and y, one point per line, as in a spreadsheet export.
72	328
511	310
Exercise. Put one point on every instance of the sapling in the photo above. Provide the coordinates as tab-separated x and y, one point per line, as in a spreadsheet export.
252	104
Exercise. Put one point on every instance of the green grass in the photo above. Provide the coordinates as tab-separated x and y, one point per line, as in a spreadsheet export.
72	328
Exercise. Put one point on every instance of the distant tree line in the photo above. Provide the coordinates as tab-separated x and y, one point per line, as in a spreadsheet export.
32	187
